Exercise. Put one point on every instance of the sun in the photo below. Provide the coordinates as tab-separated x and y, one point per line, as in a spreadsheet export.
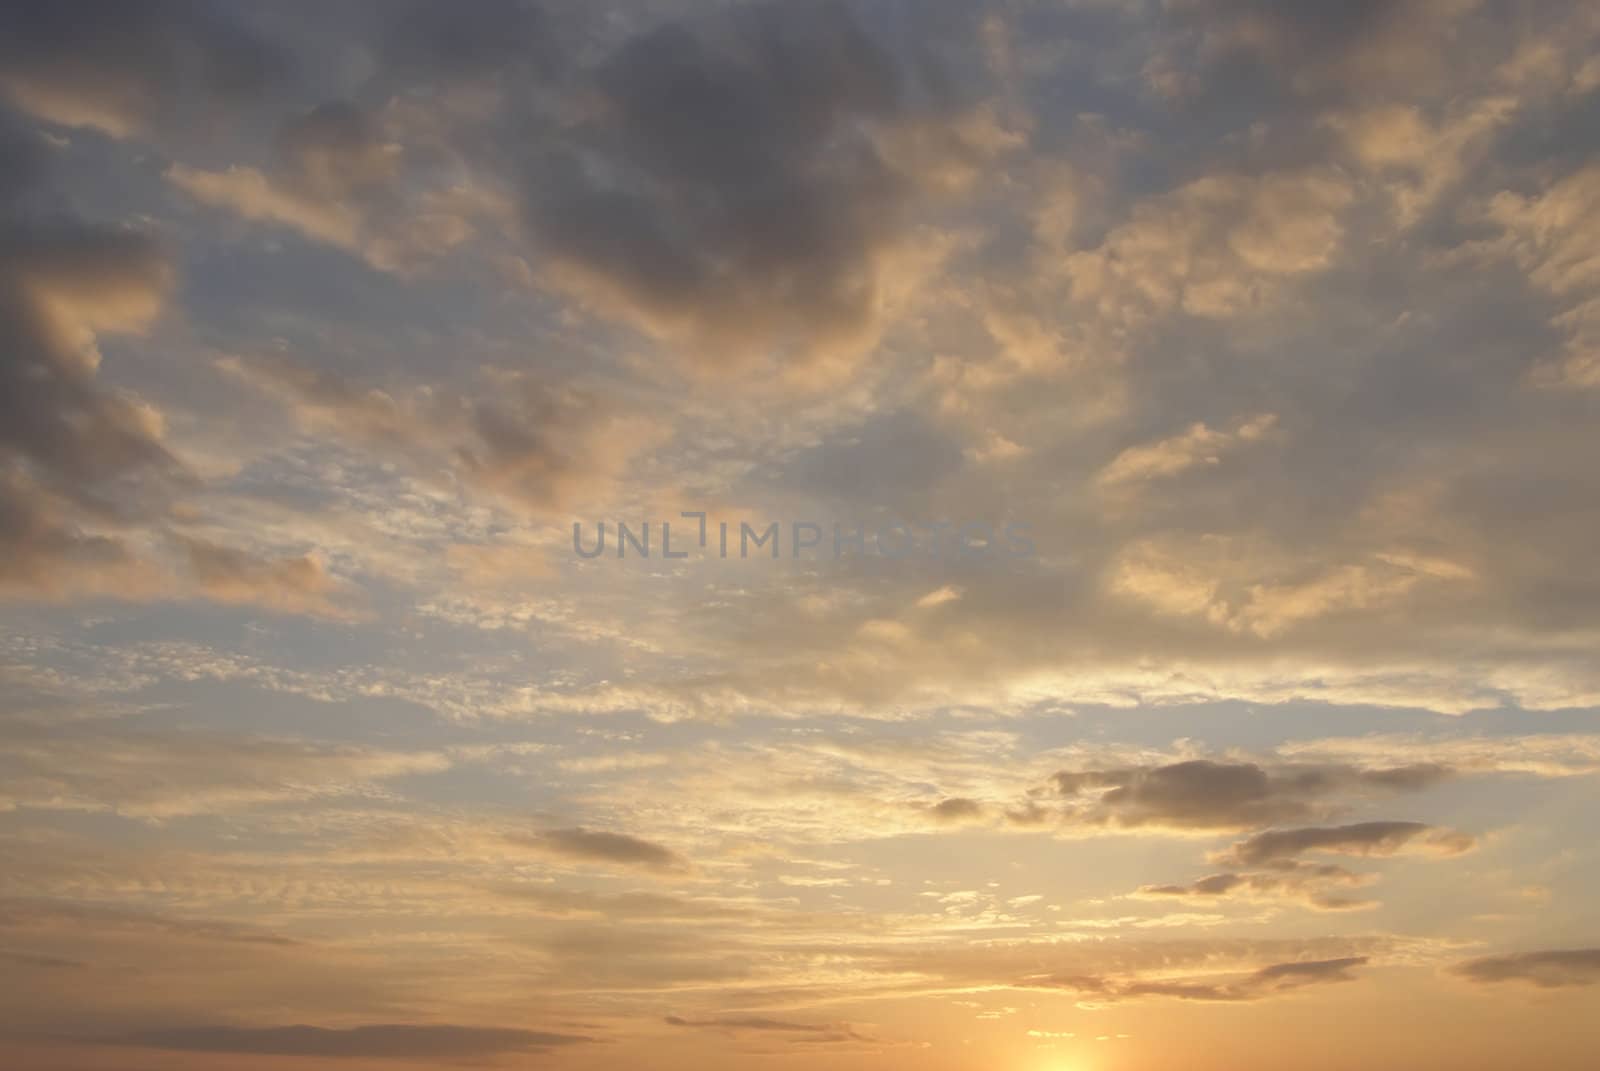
1065	1063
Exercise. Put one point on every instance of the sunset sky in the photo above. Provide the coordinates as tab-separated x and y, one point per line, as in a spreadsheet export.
1269	330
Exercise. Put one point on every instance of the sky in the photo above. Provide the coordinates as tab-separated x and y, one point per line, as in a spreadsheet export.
1109	579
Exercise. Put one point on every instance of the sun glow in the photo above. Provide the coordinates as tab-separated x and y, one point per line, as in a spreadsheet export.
1065	1063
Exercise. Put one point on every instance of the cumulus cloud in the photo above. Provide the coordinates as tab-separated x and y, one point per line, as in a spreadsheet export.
737	189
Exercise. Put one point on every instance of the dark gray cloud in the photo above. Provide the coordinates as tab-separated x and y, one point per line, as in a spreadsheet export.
1550	969
23	157
1362	838
56	278
1205	794
1307	27
1313	48
894	460
732	189
123	64
74	456
379	1041
596	846
334	150
45	552
421	41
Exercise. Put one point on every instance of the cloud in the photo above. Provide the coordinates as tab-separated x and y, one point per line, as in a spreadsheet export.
1203	794
420	44
1261	314
1283	876
1310	885
892	458
1313	49
134	63
1552	969
619	907
1267	982
544	446
336	178
1536	754
62	283
1231	576
594	846
1270	981
1219	247
33	918
49	555
1550	235
757	1024
1362	838
254	196
334	150
737	189
956	809
1245	588
378	1041
79	463
1199	445
166	775
295	585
